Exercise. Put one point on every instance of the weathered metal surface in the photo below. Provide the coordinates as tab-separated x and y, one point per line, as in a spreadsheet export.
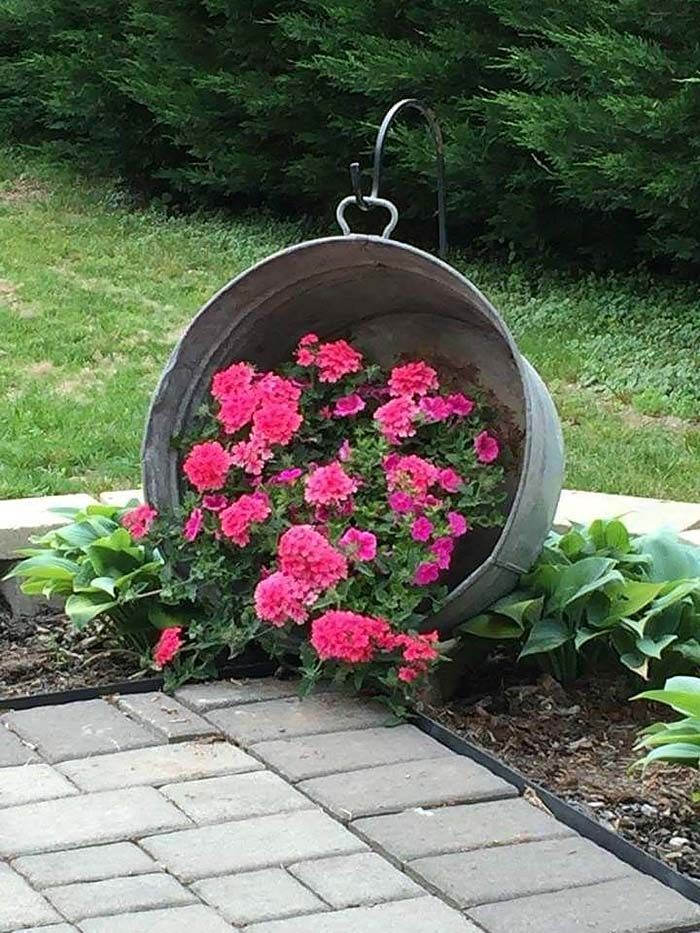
393	301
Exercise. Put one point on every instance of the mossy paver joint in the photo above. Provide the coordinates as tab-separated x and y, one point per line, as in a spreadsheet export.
260	812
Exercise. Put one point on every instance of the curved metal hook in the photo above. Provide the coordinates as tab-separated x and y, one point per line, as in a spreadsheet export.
356	179
369	202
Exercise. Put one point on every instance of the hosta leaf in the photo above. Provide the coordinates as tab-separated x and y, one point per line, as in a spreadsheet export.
653	649
584	635
46	567
679	700
546	635
491	625
633	597
682	752
617	536
670	558
82	607
584	577
636	662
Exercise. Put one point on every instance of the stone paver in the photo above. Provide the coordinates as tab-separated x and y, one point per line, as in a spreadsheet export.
160	765
22	518
203	698
94	863
165	715
355	880
13	751
249	844
318	755
118	896
636	904
389	789
20	906
419	832
417	915
291	717
258	895
195	919
507	872
226	839
121	497
237	797
90	727
32	782
71	822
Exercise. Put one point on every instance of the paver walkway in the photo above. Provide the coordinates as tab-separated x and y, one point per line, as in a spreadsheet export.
236	805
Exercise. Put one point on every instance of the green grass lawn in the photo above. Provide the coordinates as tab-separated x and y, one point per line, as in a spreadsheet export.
94	293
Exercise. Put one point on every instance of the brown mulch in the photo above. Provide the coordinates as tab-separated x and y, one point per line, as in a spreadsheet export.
577	741
43	654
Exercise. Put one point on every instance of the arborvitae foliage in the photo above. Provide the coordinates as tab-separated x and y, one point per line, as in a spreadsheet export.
571	125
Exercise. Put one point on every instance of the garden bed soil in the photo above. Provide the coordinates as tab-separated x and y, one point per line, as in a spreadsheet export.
577	742
44	654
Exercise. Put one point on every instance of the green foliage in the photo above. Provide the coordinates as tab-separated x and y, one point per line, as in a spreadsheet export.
595	595
569	126
100	570
677	742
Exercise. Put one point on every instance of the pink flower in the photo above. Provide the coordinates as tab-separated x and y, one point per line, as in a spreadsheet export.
279	599
460	405
238	518
486	447
274	388
276	423
458	524
168	645
339	635
232	381
286	477
251	455
306	350
138	521
449	479
419	647
193	525
207	465
329	485
435	408
337	359
395	419
344	452
412	473
348	405
400	502
413	379
421	529
237	409
408	674
214	503
442	548
362	545
426	573
308	557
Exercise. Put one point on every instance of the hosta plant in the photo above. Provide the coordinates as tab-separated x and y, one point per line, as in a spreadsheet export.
679	741
597	595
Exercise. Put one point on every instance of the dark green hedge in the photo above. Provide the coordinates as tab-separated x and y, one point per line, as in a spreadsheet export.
572	126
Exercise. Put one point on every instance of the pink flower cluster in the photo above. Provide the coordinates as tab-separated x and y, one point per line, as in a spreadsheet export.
329	485
238	518
334	360
167	646
352	638
138	521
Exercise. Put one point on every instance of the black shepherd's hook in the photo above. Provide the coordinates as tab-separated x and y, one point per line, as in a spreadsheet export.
356	178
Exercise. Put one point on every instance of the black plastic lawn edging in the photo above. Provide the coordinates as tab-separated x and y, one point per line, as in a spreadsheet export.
239	670
563	811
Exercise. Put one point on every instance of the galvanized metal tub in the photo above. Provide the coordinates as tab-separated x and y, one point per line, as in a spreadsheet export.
392	300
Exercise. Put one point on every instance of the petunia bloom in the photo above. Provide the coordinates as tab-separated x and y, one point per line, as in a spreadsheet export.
421	529
426	573
487	447
361	545
434	408
348	405
460	405
138	521
450	480
458	524
193	525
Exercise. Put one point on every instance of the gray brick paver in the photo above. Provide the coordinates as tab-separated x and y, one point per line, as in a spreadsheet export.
205	697
293	717
20	906
73	822
635	904
249	844
508	872
236	797
30	783
417	915
194	919
165	715
391	788
319	755
54	928
13	751
419	832
95	863
73	730
118	896
258	895
355	880
159	765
